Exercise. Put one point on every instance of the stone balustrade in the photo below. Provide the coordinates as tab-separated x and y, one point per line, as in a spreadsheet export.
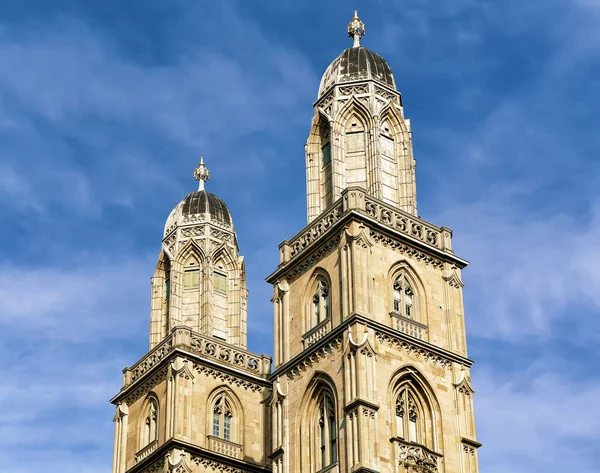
408	326
316	333
404	222
417	458
146	451
355	198
225	447
186	339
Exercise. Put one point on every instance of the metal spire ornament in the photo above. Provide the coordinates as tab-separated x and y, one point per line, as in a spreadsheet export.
356	29
201	174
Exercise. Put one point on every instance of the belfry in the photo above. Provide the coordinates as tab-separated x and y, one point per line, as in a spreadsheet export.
370	369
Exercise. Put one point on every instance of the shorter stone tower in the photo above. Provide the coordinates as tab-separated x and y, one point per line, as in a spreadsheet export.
197	401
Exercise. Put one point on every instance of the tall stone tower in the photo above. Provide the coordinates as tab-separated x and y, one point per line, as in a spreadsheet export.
370	359
197	401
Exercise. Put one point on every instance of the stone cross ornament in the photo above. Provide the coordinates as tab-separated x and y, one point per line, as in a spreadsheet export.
356	29
201	174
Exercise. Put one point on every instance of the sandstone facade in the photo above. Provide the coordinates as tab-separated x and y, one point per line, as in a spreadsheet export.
370	370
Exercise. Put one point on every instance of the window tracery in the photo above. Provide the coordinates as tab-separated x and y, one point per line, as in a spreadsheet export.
150	423
222	418
320	302
404	297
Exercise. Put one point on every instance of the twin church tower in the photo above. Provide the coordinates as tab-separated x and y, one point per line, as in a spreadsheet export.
370	370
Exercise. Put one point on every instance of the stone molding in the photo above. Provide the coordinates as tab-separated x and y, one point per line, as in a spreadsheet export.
383	334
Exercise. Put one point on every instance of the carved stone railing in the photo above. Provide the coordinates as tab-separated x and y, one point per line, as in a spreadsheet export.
404	222
355	198
238	357
408	326
153	357
415	458
315	230
316	333
185	338
146	451
224	447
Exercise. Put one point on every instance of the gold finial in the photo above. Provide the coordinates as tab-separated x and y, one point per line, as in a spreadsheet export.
201	174
356	29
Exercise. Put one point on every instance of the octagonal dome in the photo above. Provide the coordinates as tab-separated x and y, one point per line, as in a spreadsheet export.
357	63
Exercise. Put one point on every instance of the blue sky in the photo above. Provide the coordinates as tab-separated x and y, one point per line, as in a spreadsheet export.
106	107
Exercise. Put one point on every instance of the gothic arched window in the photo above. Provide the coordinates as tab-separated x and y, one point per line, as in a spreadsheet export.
326	426
407	417
222	418
220	300
150	423
404	297
320	302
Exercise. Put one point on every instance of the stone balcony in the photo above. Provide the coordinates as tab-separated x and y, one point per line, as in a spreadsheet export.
408	326
316	333
146	451
224	447
416	458
184	338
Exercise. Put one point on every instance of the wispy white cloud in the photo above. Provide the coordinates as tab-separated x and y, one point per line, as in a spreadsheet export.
537	421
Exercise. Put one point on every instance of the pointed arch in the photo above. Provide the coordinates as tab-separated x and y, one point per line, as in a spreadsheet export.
356	122
317	299
149	421
407	295
398	170
225	415
226	295
318	418
319	151
415	409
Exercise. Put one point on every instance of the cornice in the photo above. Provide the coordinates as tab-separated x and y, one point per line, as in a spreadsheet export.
315	239
325	346
197	455
201	364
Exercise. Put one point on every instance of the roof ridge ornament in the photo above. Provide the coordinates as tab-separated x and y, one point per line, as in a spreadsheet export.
356	29
201	174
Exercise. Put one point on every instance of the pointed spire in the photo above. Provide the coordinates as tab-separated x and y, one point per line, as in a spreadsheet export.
356	29
201	174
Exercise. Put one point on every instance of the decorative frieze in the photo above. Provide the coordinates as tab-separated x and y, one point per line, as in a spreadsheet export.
212	465
406	250
333	346
312	259
145	387
353	89
413	349
226	378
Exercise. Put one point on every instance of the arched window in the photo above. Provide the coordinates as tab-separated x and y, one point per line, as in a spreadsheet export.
327	429
407	416
222	418
320	302
325	169
355	153
150	423
404	297
220	300
389	169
